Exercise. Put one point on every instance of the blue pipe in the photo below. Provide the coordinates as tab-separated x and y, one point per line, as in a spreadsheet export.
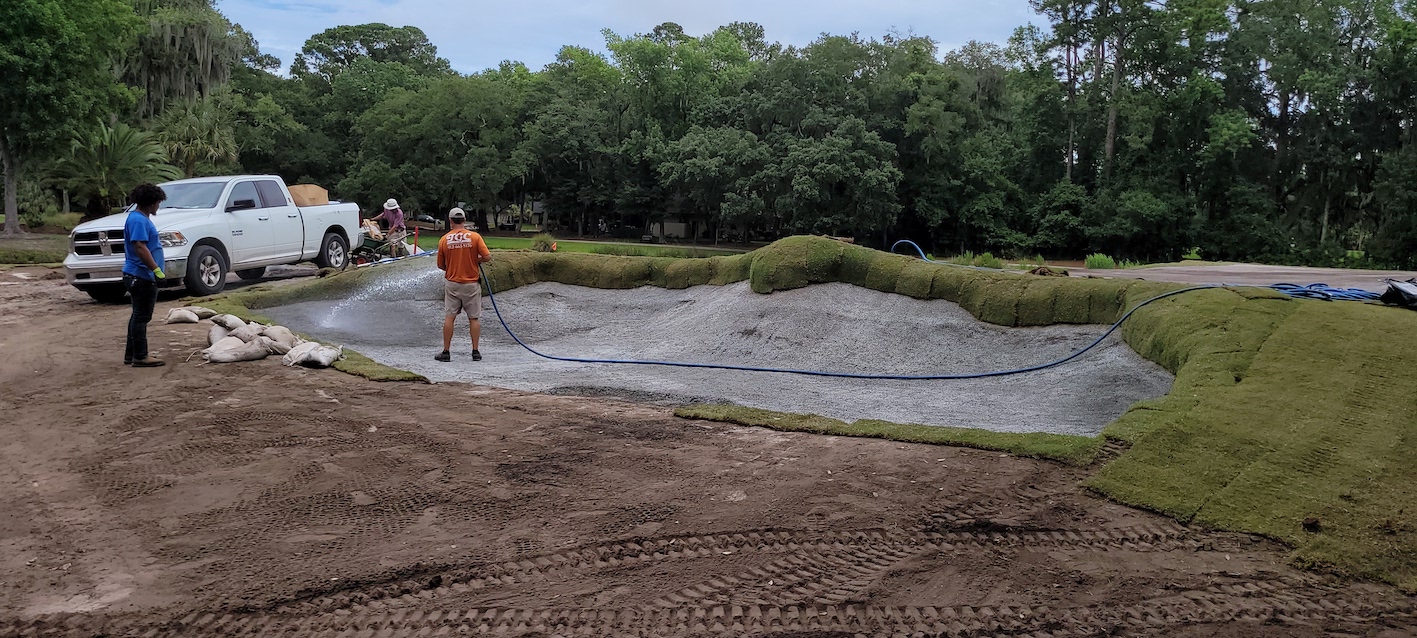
840	375
920	251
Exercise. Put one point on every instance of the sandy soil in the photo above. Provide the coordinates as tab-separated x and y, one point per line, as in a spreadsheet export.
251	499
834	327
1255	275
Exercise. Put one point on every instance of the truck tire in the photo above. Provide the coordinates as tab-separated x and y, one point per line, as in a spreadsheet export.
334	252
206	271
111	293
250	274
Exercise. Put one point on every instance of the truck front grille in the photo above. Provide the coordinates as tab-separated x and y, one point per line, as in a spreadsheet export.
103	242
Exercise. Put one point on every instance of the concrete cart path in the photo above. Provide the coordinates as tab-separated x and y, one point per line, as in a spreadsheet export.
1255	274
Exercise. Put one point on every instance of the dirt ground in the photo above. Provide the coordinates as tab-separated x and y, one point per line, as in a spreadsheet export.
252	499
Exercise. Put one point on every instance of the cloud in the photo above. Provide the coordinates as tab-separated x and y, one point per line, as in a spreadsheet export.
478	34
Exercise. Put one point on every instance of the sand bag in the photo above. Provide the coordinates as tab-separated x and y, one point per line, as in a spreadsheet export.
223	349
217	333
253	351
313	355
282	335
229	322
247	332
323	357
181	315
202	313
273	346
298	353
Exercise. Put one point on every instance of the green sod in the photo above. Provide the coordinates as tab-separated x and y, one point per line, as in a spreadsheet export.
1282	410
1073	450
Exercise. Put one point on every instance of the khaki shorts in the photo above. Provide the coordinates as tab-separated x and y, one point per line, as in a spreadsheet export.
460	298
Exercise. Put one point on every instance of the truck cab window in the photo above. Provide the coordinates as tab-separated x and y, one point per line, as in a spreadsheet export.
244	191
271	194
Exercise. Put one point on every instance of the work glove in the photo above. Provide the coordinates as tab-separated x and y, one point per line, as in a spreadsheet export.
157	272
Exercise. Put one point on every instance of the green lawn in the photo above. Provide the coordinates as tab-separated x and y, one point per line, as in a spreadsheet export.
34	249
627	249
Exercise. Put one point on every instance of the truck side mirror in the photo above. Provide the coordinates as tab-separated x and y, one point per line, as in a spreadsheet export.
241	204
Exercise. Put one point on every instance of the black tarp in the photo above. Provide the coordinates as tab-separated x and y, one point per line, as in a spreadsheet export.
1401	293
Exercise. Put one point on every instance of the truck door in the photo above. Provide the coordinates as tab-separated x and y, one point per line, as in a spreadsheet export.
287	227
252	233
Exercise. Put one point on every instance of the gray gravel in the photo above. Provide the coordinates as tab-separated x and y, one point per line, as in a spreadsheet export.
834	327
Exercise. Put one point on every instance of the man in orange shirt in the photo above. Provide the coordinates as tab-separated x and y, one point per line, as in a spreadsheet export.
460	252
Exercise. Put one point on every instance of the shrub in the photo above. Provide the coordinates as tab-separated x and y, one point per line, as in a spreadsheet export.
988	260
1099	261
543	243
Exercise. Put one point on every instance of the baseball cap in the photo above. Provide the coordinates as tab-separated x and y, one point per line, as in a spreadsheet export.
457	214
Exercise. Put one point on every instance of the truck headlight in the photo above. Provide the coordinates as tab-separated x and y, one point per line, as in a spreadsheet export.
171	238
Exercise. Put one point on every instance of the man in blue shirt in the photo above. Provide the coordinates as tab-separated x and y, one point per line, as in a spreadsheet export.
142	269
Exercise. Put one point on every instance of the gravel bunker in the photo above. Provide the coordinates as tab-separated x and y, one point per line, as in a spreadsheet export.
838	327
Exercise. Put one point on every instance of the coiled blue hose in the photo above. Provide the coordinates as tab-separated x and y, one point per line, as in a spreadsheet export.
1326	292
841	375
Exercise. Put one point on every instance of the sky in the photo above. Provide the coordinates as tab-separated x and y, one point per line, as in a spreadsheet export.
476	34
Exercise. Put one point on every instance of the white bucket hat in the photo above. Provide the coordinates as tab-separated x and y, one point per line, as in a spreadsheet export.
391	204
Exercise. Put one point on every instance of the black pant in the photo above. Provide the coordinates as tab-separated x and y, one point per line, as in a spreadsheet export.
144	294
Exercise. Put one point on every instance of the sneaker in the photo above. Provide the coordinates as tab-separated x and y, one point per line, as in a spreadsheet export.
148	363
443	356
476	356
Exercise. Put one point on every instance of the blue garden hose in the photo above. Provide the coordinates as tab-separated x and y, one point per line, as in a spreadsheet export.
841	375
920	251
1326	292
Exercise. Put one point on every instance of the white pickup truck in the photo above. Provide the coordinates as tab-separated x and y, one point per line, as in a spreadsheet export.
210	226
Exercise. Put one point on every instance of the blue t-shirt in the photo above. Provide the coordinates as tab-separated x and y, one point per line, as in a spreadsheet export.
139	228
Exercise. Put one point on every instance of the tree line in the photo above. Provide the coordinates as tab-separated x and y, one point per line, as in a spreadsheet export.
1273	130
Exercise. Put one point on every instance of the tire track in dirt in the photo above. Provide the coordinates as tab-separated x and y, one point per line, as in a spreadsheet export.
1297	607
817	572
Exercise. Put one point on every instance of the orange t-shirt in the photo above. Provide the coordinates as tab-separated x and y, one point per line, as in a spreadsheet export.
459	253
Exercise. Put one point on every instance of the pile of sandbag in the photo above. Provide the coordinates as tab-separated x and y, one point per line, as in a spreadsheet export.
232	339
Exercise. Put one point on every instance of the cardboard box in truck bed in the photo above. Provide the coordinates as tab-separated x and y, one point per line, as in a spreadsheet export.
309	195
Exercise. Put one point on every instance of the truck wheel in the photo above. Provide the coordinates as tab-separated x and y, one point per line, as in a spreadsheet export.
252	273
113	293
206	271
334	252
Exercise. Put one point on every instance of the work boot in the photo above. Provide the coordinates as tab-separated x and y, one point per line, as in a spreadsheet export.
148	363
476	356
443	356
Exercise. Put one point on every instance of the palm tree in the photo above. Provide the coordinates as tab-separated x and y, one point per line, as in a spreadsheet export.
103	166
196	131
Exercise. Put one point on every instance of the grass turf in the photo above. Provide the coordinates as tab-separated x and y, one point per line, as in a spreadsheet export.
1281	410
34	249
1073	450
